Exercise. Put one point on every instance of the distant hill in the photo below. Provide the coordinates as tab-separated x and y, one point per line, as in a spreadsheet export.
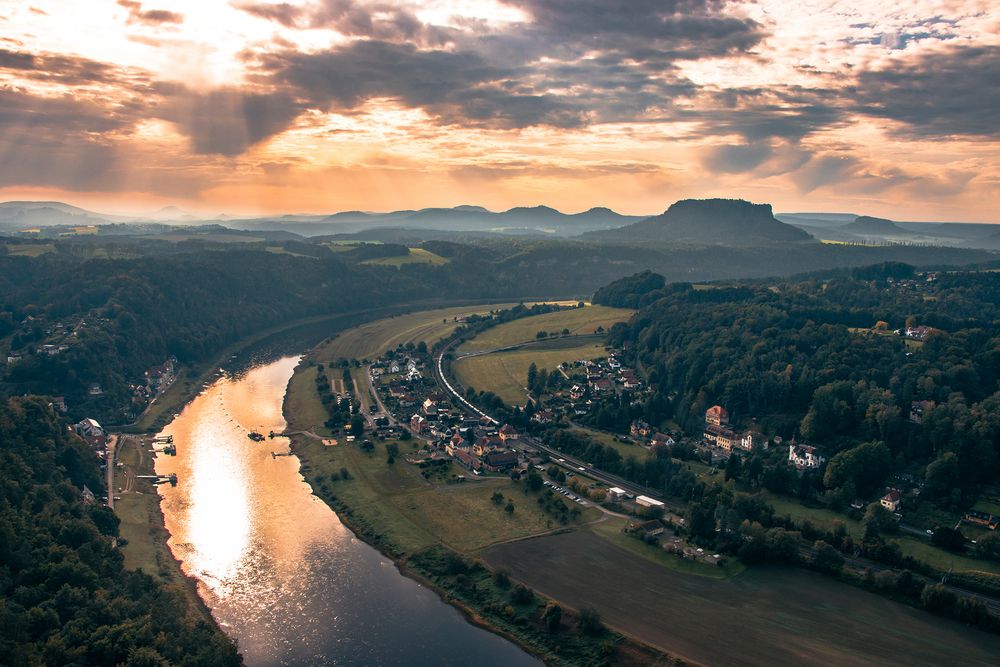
868	226
518	221
731	222
17	215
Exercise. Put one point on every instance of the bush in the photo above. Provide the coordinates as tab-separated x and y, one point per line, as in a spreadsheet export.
589	621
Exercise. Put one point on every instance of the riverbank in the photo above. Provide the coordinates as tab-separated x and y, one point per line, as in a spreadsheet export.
433	526
192	378
144	531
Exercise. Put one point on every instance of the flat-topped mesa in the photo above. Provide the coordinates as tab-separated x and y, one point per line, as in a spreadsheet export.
711	221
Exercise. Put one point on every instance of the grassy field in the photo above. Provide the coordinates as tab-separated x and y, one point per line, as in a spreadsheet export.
141	525
412	512
302	400
818	516
506	373
625	449
416	256
923	550
578	321
29	249
765	616
611	531
369	340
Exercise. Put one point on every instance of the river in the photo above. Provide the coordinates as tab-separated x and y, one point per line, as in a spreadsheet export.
280	572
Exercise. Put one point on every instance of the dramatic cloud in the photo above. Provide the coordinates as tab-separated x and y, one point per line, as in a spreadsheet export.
137	14
949	92
228	121
327	104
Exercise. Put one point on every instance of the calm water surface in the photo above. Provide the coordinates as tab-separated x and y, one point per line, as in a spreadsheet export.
278	569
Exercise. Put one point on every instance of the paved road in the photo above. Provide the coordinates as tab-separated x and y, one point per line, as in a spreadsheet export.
110	469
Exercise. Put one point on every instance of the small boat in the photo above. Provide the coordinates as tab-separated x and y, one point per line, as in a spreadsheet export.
255	436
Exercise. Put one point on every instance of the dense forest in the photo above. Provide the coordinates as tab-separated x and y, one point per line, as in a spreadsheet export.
826	360
65	598
123	304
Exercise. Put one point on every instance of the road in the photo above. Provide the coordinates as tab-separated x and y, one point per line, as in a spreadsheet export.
110	469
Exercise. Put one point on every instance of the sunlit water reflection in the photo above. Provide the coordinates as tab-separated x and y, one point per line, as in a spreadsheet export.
280	572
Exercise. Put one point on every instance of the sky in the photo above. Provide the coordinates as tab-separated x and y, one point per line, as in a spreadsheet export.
262	107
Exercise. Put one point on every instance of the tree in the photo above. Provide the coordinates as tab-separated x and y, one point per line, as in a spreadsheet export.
733	467
589	621
867	465
552	616
357	426
941	476
532	374
827	557
497	497
949	538
534	481
509	509
522	595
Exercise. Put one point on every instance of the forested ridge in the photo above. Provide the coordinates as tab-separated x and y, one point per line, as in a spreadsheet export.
65	598
817	359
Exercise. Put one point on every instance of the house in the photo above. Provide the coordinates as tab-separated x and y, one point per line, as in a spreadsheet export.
429	408
500	461
983	519
646	501
467	460
602	385
651	528
486	444
918	409
457	440
751	440
508	433
92	432
407	401
629	379
88	496
418	424
58	403
804	456
543	417
13	357
577	392
88	428
891	500
661	440
95	389
919	333
616	494
639	429
716	416
720	436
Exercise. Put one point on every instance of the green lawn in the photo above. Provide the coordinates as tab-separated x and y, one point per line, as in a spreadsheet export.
412	512
506	373
578	320
371	339
415	256
819	517
302	401
29	249
625	449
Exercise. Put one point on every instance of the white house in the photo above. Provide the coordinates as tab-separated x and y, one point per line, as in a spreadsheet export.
614	493
646	501
804	456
